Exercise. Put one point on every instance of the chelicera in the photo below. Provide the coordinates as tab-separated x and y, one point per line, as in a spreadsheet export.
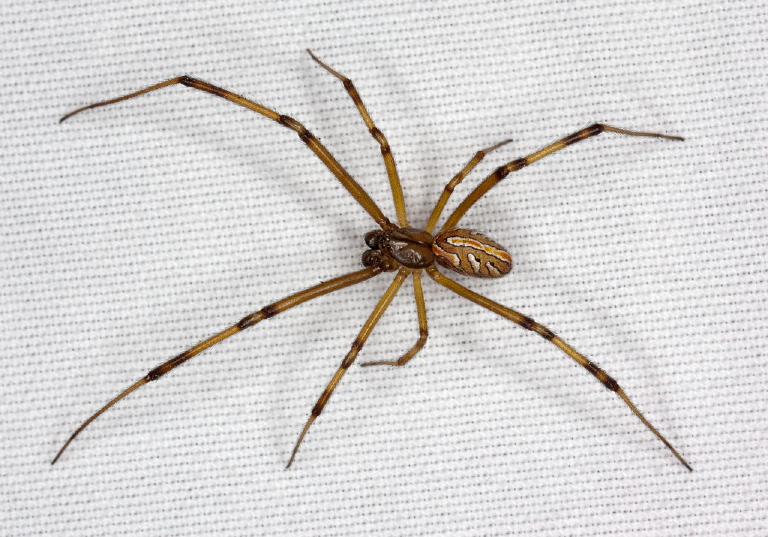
395	247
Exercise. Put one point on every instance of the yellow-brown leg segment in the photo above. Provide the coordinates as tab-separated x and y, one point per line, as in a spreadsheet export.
453	183
421	312
501	172
246	322
349	359
386	151
546	333
307	137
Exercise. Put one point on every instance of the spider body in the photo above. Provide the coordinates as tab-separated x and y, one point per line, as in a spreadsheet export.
398	248
464	251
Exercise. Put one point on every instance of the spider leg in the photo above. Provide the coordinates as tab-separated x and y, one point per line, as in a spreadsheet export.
357	192
386	151
421	311
246	322
546	333
501	172
349	359
453	183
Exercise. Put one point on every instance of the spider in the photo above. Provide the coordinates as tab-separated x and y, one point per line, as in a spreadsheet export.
394	247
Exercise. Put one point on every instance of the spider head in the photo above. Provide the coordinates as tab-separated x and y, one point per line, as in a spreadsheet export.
405	246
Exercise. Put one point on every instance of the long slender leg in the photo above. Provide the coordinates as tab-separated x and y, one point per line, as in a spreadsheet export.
307	137
386	151
546	333
453	183
246	322
421	312
501	172
349	359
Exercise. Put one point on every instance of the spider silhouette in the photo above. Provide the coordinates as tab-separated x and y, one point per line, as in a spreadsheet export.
394	247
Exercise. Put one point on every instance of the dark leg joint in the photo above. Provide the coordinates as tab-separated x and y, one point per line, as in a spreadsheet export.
602	376
514	166
379	137
204	86
597	128
527	323
155	374
592	130
545	332
288	121
306	136
249	320
269	311
264	313
318	408
502	172
348	359
592	368
611	384
161	370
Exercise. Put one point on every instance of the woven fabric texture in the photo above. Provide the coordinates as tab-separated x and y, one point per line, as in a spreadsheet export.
132	232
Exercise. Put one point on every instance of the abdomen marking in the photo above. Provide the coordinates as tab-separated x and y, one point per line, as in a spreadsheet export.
471	253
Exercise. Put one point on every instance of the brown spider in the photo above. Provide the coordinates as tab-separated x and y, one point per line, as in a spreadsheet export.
395	247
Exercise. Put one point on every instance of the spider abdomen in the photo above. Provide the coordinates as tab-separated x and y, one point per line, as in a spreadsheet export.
471	253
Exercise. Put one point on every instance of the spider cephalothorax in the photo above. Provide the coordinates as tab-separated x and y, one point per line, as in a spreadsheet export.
395	247
408	247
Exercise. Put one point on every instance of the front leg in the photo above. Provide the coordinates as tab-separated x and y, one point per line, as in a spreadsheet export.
386	151
501	172
346	180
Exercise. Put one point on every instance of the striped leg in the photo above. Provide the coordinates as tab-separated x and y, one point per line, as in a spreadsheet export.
546	333
421	311
246	322
307	137
501	172
453	183
349	359
386	151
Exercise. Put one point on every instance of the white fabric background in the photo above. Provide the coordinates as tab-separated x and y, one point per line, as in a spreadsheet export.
130	233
